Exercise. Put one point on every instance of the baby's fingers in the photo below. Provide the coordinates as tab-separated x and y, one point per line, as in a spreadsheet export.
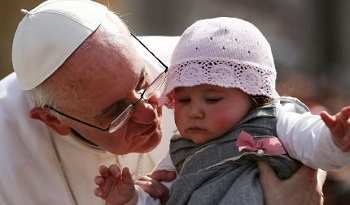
98	192
99	180
127	183
345	123
345	116
328	119
126	176
104	171
114	170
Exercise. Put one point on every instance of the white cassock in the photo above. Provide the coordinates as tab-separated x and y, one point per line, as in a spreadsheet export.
29	168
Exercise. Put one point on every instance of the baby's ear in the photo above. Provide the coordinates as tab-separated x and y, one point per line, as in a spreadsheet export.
51	121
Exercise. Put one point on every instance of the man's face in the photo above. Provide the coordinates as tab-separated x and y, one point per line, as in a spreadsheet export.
97	83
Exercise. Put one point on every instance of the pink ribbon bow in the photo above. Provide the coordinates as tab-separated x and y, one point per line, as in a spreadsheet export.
269	145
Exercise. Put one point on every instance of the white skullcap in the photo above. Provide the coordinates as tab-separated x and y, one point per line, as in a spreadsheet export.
223	51
49	34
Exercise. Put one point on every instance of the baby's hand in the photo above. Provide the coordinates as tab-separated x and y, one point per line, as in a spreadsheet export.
339	126
115	186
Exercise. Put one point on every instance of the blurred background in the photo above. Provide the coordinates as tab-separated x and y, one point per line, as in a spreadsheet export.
309	39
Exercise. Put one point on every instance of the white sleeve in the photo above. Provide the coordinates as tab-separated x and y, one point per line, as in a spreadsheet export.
145	198
165	164
307	139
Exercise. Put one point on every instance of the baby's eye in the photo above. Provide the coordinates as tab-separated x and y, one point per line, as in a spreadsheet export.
212	100
184	100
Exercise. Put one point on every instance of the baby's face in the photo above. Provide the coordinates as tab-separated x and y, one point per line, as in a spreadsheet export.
205	112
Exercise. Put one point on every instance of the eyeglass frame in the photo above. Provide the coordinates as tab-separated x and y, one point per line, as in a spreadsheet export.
130	108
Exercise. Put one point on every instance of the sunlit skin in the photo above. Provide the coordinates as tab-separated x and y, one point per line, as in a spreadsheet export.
205	112
96	83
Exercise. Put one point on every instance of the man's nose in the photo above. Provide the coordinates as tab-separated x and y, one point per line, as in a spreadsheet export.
145	112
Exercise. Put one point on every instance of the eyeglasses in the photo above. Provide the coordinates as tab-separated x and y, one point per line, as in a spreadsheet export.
128	112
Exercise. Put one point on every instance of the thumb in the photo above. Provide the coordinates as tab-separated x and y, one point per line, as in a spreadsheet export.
328	119
126	176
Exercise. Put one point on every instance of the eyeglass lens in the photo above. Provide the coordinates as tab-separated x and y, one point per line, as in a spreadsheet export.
122	119
157	83
129	111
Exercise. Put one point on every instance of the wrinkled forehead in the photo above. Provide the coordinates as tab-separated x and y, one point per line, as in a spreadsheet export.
105	63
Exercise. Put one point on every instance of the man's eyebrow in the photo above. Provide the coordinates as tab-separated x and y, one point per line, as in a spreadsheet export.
116	105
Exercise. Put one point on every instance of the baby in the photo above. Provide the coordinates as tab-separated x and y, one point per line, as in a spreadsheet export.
221	85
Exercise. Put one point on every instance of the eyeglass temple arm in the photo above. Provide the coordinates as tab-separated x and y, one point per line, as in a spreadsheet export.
161	62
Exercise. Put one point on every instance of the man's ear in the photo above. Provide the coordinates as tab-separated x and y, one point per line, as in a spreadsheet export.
51	121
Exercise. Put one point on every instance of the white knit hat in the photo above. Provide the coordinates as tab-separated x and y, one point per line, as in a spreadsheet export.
49	34
226	52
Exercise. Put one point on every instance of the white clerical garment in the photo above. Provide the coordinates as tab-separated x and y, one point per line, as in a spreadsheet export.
29	168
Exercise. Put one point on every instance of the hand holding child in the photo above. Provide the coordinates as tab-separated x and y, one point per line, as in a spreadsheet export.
339	126
115	186
151	184
277	191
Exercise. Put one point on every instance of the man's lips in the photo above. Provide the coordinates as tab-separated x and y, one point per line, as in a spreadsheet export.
151	129
146	133
147	129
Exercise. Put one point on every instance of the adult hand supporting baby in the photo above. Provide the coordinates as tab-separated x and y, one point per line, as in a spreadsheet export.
151	184
287	192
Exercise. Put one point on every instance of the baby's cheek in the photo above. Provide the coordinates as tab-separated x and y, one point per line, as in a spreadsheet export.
224	124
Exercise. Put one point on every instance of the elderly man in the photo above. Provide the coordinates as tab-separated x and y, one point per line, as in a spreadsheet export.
94	88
